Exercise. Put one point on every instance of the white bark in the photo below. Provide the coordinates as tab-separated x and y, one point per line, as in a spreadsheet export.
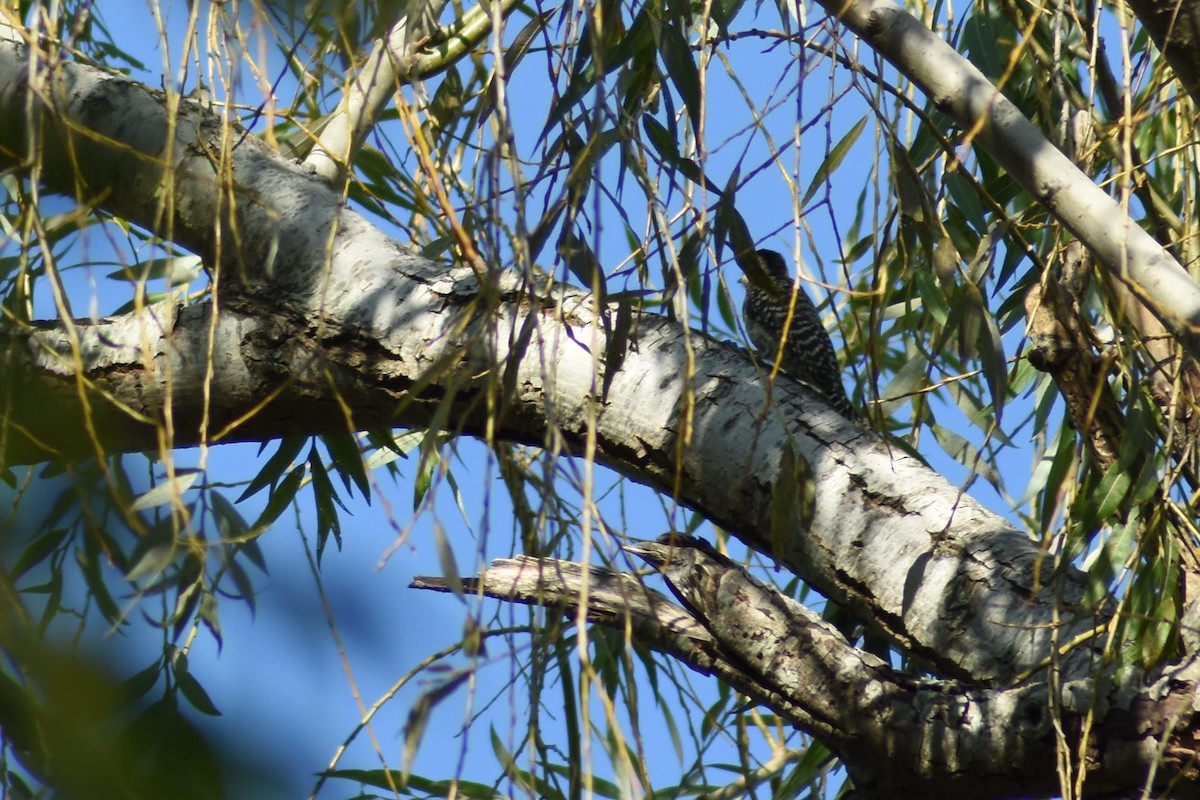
950	582
959	89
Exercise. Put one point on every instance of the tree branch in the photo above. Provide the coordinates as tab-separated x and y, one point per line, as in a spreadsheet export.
899	735
331	312
960	90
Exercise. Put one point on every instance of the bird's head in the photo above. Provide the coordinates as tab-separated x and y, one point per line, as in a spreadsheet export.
768	272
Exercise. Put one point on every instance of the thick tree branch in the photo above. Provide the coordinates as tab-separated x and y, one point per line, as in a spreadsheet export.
898	735
960	90
620	601
950	583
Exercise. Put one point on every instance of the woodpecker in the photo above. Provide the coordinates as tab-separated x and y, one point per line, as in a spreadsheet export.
807	353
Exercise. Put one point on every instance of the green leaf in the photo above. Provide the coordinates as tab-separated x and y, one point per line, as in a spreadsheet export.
966	199
210	616
89	565
792	498
1109	559
230	524
281	497
235	530
176	270
446	106
723	12
53	604
1060	470
195	694
1111	492
995	367
909	380
638	39
667	148
136	686
529	783
347	458
38	550
167	490
418	716
154	553
833	161
689	268
394	779
681	67
325	498
599	786
731	228
446	560
579	258
933	296
1154	604
289	448
427	467
965	453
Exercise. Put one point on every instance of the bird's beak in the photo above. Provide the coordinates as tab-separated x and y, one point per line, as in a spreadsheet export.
744	281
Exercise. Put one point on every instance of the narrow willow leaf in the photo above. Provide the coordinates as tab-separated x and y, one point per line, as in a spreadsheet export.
325	498
681	67
176	270
446	106
446	560
723	12
289	448
151	558
281	497
579	258
38	550
195	694
731	229
833	161
89	564
230	523
599	786
791	497
167	490
667	148
995	367
1111	492
908	380
136	686
418	716
347	458
965	453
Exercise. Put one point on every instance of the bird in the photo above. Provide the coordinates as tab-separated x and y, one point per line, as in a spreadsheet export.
807	353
